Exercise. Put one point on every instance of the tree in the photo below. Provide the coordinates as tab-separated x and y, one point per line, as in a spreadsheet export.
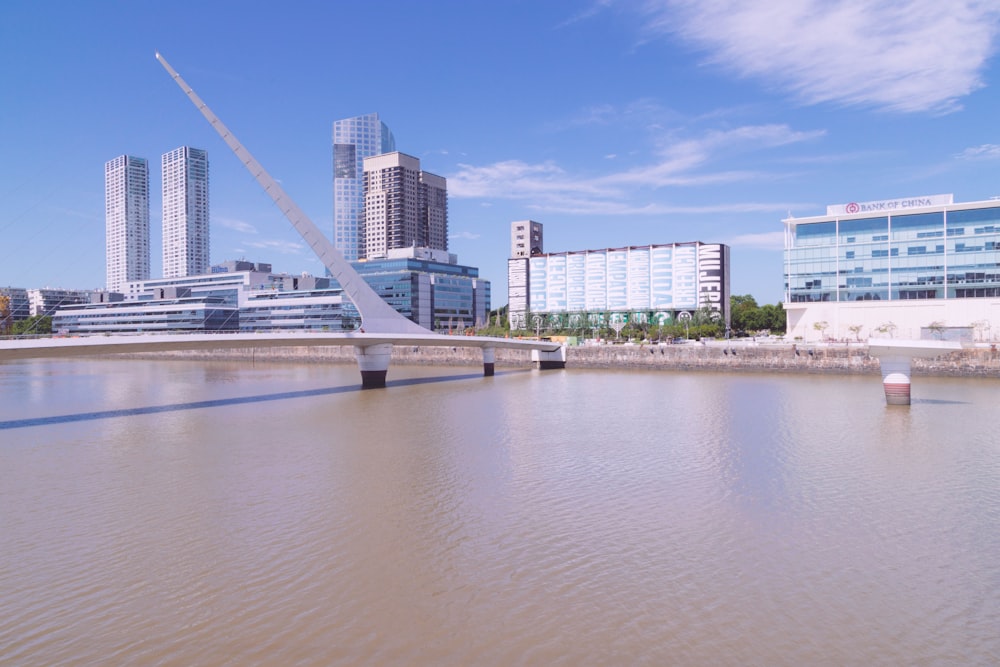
856	330
4	313
886	328
747	317
34	325
774	318
743	311
821	327
936	329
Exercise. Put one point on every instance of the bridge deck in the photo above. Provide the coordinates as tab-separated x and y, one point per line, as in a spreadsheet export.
30	348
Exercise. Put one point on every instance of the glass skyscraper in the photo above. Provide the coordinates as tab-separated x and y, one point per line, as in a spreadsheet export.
126	215
185	212
354	139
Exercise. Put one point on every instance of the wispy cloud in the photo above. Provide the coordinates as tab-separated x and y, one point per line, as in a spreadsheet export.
896	55
464	235
73	213
236	225
279	246
547	186
763	241
983	152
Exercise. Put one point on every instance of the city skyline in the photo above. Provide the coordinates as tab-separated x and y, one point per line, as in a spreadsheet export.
611	123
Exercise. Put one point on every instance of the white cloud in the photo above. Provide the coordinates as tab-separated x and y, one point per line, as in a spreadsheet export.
983	152
763	241
897	55
464	235
548	187
237	225
280	246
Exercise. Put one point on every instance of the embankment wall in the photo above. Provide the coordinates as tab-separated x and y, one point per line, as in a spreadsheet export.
739	357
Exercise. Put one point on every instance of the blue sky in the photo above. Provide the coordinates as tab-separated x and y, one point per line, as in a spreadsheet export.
612	123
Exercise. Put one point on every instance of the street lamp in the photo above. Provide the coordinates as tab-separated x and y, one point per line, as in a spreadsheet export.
686	317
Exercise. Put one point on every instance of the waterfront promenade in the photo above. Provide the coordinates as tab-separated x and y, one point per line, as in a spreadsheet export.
715	356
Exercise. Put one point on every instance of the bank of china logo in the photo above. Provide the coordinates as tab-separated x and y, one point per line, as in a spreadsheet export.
853	208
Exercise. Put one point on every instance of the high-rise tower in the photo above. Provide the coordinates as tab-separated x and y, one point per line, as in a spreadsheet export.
185	212
404	206
126	215
354	139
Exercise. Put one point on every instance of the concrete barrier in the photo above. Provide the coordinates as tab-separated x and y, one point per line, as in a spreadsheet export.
713	357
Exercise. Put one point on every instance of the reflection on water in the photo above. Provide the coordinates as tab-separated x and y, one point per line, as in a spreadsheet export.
215	513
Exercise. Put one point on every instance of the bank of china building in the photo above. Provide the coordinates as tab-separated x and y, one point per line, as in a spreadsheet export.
898	268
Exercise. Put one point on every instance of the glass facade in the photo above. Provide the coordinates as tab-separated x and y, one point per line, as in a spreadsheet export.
948	253
177	315
312	310
18	306
354	139
436	295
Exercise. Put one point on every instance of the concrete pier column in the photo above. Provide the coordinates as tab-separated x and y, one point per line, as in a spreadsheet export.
546	360
896	379
895	356
373	361
489	358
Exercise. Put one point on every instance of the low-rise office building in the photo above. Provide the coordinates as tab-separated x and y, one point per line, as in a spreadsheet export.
15	306
176	312
303	310
46	301
900	267
429	287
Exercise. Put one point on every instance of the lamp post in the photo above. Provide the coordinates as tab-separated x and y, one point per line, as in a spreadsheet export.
686	317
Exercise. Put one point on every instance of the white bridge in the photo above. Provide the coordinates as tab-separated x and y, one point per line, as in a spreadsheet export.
371	350
381	326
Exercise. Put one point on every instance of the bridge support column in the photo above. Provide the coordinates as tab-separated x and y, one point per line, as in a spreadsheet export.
546	360
373	361
896	379
489	358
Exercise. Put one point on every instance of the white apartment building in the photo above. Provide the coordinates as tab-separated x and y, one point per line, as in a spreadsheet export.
185	212
126	214
354	139
525	238
404	206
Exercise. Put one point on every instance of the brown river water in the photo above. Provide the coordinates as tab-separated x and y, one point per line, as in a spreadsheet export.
220	513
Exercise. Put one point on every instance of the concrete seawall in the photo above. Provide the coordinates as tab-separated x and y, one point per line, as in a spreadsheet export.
736	357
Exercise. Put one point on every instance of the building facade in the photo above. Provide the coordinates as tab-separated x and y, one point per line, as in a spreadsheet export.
526	238
126	214
46	301
301	310
894	267
354	139
185	212
15	306
176	312
645	284
429	287
404	206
